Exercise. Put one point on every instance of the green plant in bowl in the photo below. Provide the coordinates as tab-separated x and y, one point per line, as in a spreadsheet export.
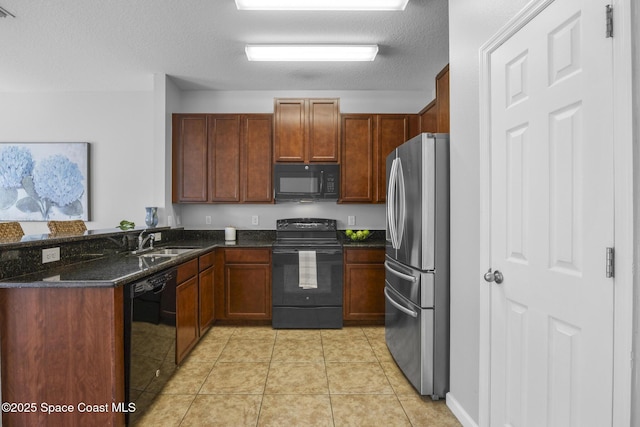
126	225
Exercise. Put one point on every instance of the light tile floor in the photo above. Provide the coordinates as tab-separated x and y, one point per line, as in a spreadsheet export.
258	376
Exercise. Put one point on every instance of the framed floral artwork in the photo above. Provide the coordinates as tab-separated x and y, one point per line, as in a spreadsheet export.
42	181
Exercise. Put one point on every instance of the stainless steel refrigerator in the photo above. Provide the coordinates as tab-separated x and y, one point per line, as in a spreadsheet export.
417	261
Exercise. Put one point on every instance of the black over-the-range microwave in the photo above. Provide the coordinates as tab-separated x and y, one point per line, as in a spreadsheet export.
306	182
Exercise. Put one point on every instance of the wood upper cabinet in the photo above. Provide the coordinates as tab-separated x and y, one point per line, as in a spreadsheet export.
442	99
306	130
190	153
357	166
434	118
429	118
256	165
222	158
367	139
364	284
392	131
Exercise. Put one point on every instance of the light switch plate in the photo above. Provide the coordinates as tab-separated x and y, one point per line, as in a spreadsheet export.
351	220
207	220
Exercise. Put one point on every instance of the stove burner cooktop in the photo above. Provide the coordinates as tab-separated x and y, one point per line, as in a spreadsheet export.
306	232
317	224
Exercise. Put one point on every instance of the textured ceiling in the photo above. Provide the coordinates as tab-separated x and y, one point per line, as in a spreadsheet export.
72	45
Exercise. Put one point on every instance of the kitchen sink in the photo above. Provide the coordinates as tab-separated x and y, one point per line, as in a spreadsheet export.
165	252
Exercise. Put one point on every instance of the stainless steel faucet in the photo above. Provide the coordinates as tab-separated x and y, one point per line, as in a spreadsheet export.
143	240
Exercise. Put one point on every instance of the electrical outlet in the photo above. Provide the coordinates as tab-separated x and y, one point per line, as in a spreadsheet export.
351	220
170	220
207	220
50	255
255	220
157	236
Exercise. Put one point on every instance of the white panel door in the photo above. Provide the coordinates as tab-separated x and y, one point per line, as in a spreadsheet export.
552	220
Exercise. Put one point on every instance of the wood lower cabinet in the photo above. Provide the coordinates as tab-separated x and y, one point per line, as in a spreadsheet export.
367	139
222	158
62	346
247	284
206	297
364	284
306	130
195	302
187	327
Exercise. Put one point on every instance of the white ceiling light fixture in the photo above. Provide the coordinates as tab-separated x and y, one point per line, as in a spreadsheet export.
314	52
321	4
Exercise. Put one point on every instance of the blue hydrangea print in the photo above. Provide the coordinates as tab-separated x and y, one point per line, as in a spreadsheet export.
38	183
15	164
58	179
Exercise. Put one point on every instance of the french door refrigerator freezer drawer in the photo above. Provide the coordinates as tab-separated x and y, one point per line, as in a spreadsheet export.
410	336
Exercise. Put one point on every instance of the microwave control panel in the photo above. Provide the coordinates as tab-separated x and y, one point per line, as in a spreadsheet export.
331	181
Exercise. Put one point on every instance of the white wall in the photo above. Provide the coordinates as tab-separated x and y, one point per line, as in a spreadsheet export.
119	128
367	216
635	28
350	101
471	23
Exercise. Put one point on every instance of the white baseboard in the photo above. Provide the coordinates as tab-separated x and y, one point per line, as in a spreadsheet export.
459	412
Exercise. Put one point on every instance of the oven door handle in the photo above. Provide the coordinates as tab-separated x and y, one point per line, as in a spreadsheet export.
403	309
318	251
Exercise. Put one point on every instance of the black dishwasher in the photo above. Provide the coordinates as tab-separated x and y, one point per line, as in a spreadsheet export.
150	338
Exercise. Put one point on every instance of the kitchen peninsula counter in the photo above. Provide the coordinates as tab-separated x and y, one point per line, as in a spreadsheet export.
91	270
62	323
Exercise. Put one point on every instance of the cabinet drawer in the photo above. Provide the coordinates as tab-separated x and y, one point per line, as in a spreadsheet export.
364	256
187	270
247	256
207	260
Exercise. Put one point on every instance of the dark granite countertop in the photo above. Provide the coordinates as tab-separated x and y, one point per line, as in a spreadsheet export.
121	268
375	240
369	243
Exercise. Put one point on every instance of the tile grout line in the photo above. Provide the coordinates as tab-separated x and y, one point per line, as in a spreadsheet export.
264	389
326	373
389	380
205	379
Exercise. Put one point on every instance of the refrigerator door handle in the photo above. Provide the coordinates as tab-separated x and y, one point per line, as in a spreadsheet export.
402	201
401	275
391	209
398	306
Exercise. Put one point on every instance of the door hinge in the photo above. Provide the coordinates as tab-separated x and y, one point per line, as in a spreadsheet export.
609	18
610	261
